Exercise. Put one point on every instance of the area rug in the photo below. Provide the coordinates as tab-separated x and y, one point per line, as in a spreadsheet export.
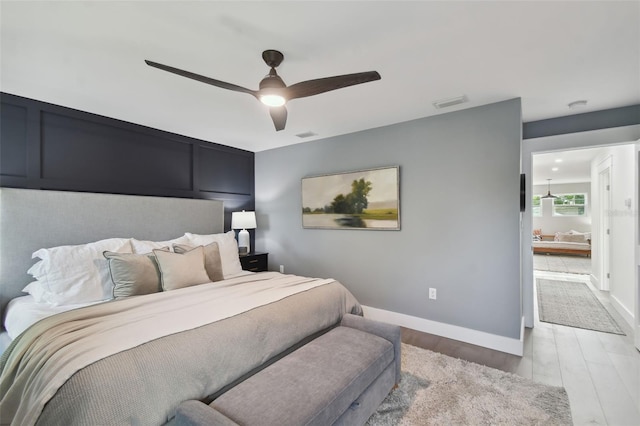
440	390
573	304
567	264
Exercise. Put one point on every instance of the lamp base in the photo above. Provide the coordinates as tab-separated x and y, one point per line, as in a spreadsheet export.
244	241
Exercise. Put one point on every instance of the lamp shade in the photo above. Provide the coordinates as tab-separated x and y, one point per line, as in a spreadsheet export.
243	220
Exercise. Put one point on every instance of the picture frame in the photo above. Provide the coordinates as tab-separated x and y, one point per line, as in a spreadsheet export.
365	199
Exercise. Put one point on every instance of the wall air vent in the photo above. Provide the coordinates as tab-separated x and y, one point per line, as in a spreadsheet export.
306	134
446	103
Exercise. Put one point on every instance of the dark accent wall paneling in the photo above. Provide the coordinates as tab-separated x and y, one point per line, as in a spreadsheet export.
46	146
76	149
13	156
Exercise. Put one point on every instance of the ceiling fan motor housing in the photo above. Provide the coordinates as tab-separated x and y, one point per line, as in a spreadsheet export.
272	58
272	81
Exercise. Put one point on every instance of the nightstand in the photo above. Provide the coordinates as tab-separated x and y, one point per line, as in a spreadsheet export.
255	262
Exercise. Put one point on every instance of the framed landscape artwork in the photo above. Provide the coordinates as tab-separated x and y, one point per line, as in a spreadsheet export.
366	199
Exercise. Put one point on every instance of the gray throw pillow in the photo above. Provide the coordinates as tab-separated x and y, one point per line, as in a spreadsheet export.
212	260
133	274
181	270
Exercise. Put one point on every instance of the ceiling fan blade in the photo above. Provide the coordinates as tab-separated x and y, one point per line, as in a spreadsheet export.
201	78
279	117
321	85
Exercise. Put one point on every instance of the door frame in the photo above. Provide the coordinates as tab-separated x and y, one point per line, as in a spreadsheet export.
604	224
565	142
636	209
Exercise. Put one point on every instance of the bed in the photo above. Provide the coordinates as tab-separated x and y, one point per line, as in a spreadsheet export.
572	242
134	359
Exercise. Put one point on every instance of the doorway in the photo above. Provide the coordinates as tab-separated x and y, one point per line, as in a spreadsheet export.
597	138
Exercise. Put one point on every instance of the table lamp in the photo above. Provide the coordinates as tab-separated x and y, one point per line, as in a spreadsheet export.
243	220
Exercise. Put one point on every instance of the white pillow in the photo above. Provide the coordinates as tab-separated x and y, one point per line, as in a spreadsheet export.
143	247
228	250
77	274
36	290
37	269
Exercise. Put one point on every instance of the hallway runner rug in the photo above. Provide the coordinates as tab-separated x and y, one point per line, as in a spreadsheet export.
573	304
437	390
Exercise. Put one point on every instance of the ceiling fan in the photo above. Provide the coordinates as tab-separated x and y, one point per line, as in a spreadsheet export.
272	90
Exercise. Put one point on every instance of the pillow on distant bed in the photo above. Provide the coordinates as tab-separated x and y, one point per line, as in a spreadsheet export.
77	274
143	247
134	274
212	261
181	270
571	238
587	235
228	249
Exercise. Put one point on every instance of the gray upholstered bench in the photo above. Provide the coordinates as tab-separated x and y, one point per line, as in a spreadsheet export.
339	378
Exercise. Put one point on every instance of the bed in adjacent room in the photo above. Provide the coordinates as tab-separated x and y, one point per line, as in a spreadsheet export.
571	242
186	321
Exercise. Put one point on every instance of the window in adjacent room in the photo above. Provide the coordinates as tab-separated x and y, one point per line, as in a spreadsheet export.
536	204
570	205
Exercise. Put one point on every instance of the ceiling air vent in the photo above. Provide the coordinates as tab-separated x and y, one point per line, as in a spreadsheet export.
306	135
446	103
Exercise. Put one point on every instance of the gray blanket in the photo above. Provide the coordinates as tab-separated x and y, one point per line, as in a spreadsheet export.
143	385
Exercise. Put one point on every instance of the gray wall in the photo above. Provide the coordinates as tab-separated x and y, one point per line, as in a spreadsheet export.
459	217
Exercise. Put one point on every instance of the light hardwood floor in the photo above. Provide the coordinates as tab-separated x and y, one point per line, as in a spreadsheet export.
600	371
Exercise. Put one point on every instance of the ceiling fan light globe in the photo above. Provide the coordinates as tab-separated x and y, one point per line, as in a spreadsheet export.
272	100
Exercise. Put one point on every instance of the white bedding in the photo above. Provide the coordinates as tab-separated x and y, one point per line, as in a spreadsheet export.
562	245
24	311
5	341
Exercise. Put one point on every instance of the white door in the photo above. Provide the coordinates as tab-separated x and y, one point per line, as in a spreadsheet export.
605	227
637	238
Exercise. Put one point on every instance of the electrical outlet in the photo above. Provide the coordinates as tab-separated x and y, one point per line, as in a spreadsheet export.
282	269
432	293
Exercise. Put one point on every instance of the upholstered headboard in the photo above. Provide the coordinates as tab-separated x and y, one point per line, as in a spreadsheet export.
31	219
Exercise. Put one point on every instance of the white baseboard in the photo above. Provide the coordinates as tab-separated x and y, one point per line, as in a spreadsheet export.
462	334
595	281
622	310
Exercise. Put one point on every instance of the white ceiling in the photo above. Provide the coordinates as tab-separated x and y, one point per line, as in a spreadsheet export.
90	56
572	166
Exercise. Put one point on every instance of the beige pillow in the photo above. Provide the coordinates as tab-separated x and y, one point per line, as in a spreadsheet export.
181	270
133	274
212	261
572	238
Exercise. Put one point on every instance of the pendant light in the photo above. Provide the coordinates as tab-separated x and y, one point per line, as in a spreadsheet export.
549	191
